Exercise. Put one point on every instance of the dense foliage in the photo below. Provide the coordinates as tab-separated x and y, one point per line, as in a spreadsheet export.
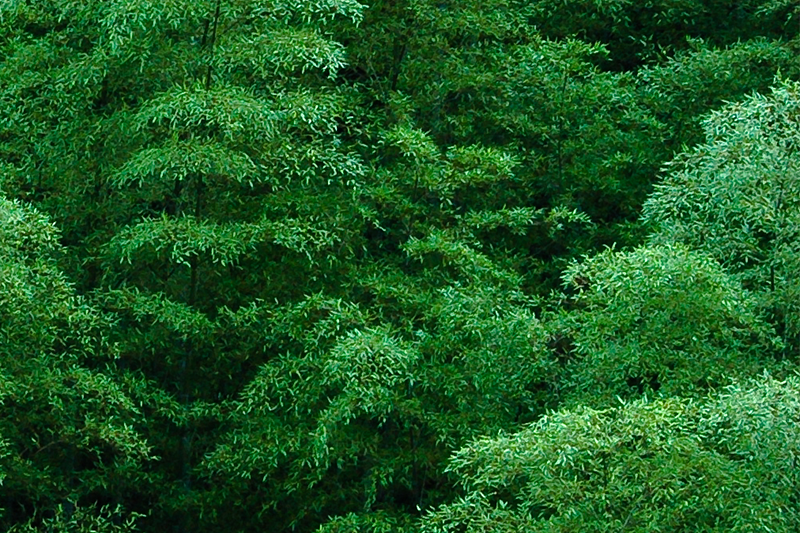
399	266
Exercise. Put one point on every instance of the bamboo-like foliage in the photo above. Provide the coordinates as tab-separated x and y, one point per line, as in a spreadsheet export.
308	250
663	464
736	197
68	430
659	319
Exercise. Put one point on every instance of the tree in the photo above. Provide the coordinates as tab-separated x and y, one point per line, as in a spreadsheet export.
656	320
588	133
321	235
638	32
193	154
359	412
70	434
682	88
735	198
723	463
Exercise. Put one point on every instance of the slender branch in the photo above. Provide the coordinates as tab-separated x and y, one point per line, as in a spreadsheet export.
398	63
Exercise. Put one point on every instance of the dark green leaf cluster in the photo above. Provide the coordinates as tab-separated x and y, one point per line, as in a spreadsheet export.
398	266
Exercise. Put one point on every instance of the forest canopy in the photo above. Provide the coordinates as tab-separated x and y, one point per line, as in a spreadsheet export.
382	267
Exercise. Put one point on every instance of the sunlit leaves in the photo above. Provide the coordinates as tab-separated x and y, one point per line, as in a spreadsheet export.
641	466
315	241
736	198
71	518
456	252
182	160
486	352
180	239
371	359
684	86
183	238
57	410
25	231
283	50
377	522
126	25
659	320
303	11
157	309
227	111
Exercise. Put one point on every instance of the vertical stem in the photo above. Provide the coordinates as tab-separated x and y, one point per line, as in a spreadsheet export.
194	282
779	302
561	131
398	63
194	261
415	464
213	42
